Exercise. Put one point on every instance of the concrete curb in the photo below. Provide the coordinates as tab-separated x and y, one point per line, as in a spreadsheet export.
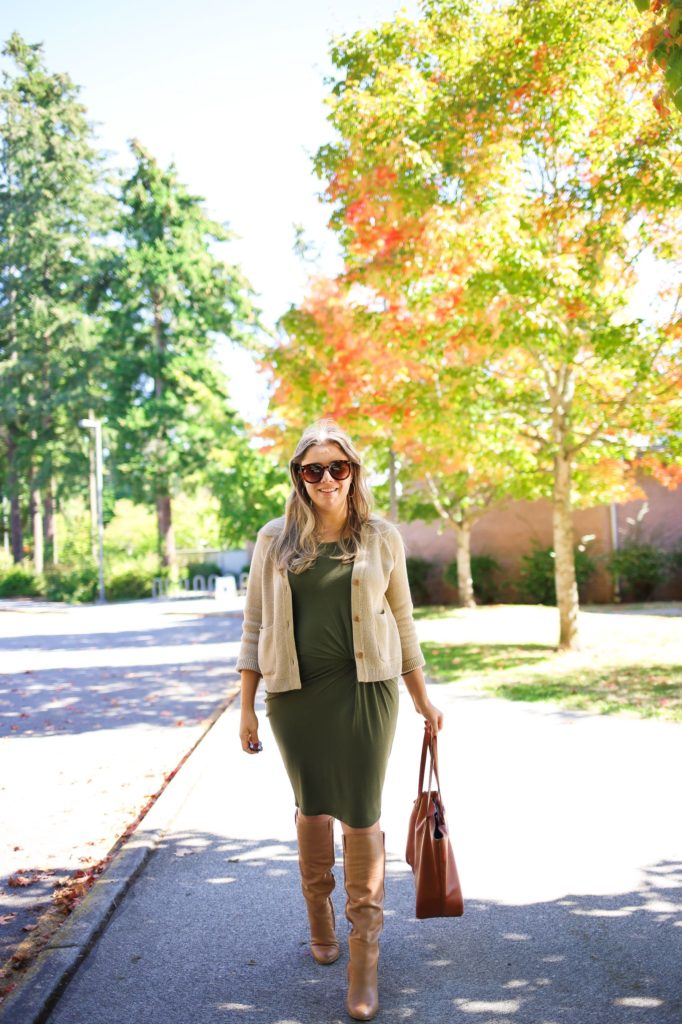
40	988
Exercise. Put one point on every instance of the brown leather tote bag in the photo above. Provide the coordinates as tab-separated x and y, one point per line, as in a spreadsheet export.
429	851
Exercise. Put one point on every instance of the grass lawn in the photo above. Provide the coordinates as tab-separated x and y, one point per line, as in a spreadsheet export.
630	656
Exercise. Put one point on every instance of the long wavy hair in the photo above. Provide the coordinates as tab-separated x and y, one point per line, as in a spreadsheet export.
296	548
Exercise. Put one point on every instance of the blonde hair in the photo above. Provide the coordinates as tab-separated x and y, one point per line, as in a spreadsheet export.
296	548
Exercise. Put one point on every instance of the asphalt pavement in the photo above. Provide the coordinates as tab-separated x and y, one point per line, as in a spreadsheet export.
98	707
566	829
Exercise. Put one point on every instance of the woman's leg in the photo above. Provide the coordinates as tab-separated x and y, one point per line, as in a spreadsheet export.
363	868
316	859
359	831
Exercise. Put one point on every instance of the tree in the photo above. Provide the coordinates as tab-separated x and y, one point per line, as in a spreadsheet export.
524	130
662	43
53	210
171	300
251	487
412	402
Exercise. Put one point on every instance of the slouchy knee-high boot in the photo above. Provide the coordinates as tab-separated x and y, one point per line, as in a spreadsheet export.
316	860
364	866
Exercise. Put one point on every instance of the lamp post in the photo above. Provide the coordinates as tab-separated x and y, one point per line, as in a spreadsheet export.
96	425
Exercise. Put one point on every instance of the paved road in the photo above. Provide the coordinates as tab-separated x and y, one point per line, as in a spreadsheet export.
567	832
97	706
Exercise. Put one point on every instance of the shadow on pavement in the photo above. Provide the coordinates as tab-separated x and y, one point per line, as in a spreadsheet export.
214	930
177	631
55	702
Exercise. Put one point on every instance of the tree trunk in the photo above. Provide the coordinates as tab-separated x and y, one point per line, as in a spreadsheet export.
465	585
15	506
164	513
37	524
94	535
51	522
392	488
165	525
564	559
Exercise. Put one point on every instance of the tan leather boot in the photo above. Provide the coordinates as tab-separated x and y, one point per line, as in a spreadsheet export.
363	869
316	860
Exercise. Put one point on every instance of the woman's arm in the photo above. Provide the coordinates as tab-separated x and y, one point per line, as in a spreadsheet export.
248	725
416	687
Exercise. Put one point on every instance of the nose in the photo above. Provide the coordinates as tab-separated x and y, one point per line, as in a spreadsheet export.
326	472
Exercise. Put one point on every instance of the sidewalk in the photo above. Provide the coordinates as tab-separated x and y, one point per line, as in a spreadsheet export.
566	830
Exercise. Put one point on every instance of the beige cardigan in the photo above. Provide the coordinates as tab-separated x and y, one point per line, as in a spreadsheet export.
384	636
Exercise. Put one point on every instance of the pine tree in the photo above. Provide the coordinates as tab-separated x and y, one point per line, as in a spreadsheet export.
52	209
172	298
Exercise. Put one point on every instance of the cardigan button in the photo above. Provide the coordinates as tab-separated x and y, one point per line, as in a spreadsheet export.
356	583
360	654
356	618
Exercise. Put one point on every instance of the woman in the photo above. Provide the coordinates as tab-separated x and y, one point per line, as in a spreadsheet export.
328	625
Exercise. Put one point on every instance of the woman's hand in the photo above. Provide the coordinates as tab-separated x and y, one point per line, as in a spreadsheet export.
248	731
416	687
433	715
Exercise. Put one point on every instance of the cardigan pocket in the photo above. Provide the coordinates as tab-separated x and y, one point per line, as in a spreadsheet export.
381	632
266	650
387	634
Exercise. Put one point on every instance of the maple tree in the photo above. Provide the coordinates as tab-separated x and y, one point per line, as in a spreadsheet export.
661	41
410	405
516	146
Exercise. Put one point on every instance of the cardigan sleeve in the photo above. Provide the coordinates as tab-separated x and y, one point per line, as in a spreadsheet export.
400	600
253	610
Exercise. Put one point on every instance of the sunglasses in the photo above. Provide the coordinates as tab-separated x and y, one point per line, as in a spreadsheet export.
313	472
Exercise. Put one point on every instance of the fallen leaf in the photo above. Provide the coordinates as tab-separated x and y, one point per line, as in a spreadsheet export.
18	880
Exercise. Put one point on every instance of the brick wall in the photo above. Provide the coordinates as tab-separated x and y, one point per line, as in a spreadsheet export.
508	533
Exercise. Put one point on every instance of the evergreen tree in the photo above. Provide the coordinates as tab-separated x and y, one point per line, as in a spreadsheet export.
52	208
172	298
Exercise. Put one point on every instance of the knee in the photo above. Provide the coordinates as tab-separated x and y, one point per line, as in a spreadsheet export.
312	817
349	830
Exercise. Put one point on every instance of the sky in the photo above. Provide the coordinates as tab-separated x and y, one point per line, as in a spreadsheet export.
232	92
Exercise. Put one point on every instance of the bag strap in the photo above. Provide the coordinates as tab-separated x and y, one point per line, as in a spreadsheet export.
430	744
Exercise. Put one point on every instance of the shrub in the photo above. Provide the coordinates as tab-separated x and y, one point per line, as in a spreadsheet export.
536	579
72	583
18	581
204	569
640	567
129	584
417	572
483	569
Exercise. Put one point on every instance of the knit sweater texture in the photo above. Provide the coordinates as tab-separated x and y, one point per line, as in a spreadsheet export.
384	636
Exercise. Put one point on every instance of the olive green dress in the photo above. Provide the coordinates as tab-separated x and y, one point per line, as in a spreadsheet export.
335	733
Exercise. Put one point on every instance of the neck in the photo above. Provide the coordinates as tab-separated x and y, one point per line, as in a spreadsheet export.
331	526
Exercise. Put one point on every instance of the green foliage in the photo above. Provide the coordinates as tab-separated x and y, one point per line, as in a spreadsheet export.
129	584
172	296
72	583
54	212
483	571
203	569
20	582
536	578
640	568
417	572
130	533
251	489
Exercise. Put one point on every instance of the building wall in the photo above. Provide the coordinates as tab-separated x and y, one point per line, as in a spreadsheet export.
508	533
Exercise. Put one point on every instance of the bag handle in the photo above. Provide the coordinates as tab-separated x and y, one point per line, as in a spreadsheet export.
430	744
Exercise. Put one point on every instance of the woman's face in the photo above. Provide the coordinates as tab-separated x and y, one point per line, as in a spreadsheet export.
327	496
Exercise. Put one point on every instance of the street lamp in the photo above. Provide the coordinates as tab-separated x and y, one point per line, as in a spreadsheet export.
96	425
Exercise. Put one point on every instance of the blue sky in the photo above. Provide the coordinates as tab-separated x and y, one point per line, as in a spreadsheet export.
233	93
